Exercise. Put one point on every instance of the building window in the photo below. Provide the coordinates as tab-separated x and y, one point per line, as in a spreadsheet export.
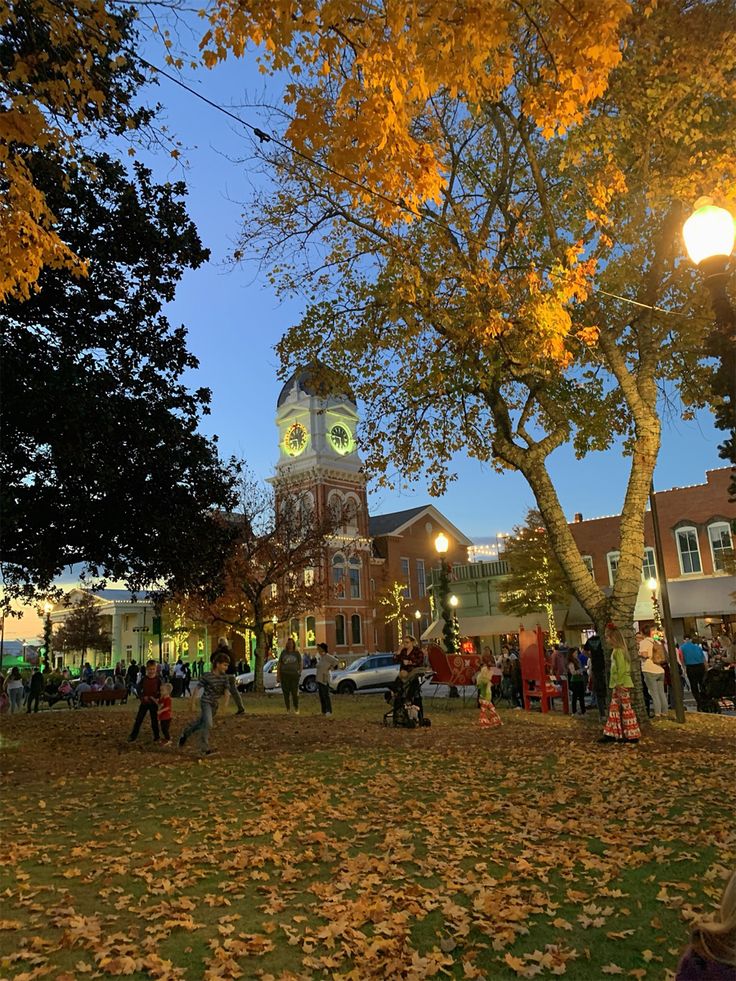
294	631
338	574
354	574
311	632
612	560
687	547
406	576
588	563
274	590
649	566
309	577
340	630
721	544
355	628
421	579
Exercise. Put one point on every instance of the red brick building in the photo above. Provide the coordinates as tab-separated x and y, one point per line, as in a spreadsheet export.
696	524
319	461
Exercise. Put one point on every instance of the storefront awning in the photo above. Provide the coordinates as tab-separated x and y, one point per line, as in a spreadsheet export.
703	597
489	626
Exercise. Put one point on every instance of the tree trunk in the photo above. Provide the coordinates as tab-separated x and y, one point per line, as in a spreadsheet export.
260	633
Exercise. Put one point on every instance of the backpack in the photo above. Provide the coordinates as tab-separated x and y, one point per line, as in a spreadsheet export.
658	653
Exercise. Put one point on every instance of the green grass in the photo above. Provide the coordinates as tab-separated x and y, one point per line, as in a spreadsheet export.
310	848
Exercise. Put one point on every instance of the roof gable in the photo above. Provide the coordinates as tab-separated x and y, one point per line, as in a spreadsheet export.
397	522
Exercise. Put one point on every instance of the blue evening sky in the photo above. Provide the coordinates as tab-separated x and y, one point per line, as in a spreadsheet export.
234	319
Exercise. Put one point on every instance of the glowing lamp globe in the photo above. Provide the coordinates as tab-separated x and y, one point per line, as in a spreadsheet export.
652	583
453	601
709	232
441	543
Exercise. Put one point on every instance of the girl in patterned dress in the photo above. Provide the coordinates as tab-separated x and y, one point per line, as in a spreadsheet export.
622	725
489	717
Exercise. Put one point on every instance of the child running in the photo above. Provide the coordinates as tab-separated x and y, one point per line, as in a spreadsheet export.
212	686
164	713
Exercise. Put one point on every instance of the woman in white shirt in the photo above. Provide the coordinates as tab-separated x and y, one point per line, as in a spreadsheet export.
653	675
14	688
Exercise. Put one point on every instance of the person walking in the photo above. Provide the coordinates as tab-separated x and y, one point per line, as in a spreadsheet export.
149	692
594	649
576	680
288	673
653	671
622	724
14	690
211	689
694	658
325	664
35	690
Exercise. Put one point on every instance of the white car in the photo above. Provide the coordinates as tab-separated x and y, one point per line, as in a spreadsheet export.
307	681
375	672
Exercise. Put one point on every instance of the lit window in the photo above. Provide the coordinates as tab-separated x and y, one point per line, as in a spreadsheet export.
311	635
649	566
612	559
354	575
355	628
309	577
274	590
588	562
406	576
421	579
689	552
340	630
338	574
721	544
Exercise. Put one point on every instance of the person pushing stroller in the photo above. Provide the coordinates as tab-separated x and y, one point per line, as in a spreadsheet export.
405	698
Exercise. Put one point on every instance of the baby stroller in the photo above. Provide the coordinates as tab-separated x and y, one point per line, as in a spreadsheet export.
405	698
719	688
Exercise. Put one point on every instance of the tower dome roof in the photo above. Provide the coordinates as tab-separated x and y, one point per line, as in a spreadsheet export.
316	379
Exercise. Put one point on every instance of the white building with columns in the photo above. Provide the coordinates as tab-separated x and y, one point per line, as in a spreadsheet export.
127	617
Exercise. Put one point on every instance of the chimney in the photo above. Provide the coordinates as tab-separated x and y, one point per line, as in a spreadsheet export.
578	518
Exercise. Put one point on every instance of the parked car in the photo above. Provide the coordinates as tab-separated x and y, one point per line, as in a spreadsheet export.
307	681
375	672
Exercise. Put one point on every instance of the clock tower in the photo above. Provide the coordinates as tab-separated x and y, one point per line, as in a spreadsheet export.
317	417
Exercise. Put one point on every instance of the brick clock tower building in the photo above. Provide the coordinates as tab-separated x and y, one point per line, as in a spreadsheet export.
318	459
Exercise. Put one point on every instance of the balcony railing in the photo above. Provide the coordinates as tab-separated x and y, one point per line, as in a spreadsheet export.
473	570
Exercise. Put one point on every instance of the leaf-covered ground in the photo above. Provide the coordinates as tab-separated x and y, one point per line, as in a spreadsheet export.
310	848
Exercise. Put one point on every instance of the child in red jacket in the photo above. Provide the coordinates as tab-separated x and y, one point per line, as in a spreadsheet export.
165	712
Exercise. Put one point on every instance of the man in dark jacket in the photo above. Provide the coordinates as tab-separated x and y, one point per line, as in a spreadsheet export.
594	649
36	690
149	692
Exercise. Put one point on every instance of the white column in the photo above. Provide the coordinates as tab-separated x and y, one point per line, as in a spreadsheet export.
117	636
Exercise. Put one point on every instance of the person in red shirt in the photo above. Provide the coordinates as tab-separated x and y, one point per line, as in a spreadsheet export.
164	713
149	692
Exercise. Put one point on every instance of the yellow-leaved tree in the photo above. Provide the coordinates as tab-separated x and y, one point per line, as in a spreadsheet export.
64	75
524	287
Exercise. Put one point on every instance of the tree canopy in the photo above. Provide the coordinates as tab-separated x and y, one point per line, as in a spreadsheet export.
541	296
102	463
65	76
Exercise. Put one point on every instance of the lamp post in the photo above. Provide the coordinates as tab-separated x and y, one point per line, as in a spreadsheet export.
652	584
47	607
709	235
417	618
441	544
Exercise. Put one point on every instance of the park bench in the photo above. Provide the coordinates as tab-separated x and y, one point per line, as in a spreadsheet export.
105	696
536	683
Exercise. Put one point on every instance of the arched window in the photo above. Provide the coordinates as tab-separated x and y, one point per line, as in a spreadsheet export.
335	507
350	513
294	631
355	628
688	550
339	630
721	544
338	574
354	574
310	632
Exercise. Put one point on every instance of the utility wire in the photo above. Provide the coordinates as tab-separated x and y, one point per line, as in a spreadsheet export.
264	137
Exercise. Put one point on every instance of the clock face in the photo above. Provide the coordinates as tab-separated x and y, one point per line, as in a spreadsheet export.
295	439
341	438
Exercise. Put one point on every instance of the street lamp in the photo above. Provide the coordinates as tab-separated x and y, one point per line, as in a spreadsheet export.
47	608
441	544
449	631
709	235
652	584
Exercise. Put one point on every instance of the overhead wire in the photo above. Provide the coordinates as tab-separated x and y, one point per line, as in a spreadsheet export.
265	137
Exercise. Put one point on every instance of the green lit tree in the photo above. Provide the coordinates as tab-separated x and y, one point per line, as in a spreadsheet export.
536	580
